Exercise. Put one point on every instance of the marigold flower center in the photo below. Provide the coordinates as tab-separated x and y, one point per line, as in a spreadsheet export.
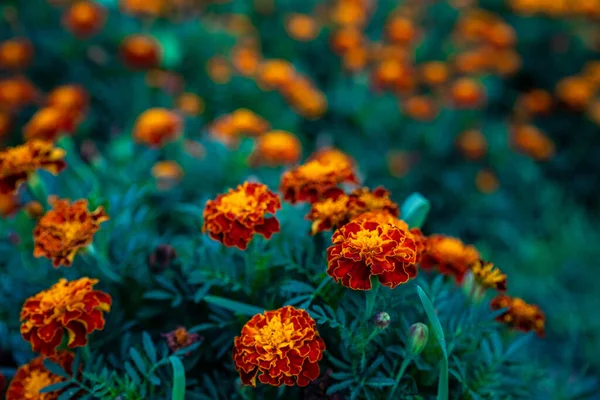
367	240
238	202
181	336
36	381
275	334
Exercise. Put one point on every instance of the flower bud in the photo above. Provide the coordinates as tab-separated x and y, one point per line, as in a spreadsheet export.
161	258
418	336
382	320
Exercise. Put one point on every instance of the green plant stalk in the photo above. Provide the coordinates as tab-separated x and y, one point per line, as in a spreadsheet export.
399	375
370	299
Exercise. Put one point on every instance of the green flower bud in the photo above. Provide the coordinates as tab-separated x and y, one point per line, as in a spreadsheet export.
418	336
382	320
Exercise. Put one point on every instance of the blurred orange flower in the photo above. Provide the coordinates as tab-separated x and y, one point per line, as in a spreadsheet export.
520	315
434	73
9	203
449	255
151	8
276	148
575	91
531	141
72	99
167	174
472	144
70	305
18	163
400	30
66	229
15	54
190	104
180	338
488	276
400	162
5	124
365	248
219	70
467	93
535	102
33	377
486	181
84	18
328	155
310	181
301	27
234	217
16	93
421	108
156	127
275	74
48	124
305	98
140	52
245	59
345	39
281	347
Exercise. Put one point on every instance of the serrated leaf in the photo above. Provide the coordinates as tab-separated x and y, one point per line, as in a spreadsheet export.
178	379
149	347
56	369
55	386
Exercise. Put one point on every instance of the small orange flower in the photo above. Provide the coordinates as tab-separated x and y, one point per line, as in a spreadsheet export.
434	73
180	338
72	99
400	30
394	75
190	104
70	305
421	108
18	163
48	124
356	59
140	52
575	91
245	59
350	13
275	74
233	218
364	248
248	123
302	27
305	98
488	276
151	8
33	376
310	181
471	62
505	62
531	141
34	209
520	315
449	255
400	162
16	93
328	155
281	347
65	229
472	144
156	127
9	204
219	70
84	19
276	148
467	93
535	102
500	35
591	72
345	39
486	181
15	54
167	174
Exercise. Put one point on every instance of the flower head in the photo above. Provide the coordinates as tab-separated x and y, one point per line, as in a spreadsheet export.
310	181
65	229
15	54
18	163
70	305
382	320
276	148
488	276
365	248
520	315
281	347
190	104
9	204
16	93
167	174
156	127
72	99
472	144
467	93
531	141
84	18
33	376
302	27
140	52
275	74
47	124
180	338
234	217
230	128
331	155
450	255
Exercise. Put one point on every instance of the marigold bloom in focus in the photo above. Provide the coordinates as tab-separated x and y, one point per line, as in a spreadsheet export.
72	99
16	93
47	124
219	70
156	127
467	93
280	347
190	104
575	91
180	338
310	181
276	148
486	181
434	73
276	74
449	255
65	229
140	52
520	315
364	248
421	108
33	376
301	27
531	141
84	18
18	163
234	217
70	305
15	54
472	144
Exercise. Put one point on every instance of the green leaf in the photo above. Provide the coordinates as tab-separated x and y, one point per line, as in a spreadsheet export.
178	379
132	373
137	360
439	334
69	393
339	386
158	295
414	210
55	386
56	369
380	382
235	306
149	347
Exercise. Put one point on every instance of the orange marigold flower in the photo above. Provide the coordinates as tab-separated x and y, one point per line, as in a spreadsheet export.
34	209
302	27
281	347
234	217
33	376
310	181
276	148
72	99
152	8
533	142
156	127
275	74
472	144
434	73
488	276
305	98
467	92
16	93
70	305
245	59
486	181
190	104
18	163
48	124
347	13
15	54
356	59
180	338
535	102
520	315
218	70
167	174
328	155
400	30
65	229
575	91
140	52
9	204
421	108
400	162
365	248
449	255
345	39
248	123
84	18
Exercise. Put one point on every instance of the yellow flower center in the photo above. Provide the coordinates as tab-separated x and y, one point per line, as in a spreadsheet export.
366	240
36	381
238	202
275	334
486	274
315	170
449	247
331	207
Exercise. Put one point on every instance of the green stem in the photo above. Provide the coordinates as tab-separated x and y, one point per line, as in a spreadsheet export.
399	375
38	189
370	299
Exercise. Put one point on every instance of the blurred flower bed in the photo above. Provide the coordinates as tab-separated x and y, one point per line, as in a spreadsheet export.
342	199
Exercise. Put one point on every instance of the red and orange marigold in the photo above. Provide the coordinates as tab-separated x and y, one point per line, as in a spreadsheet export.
65	229
234	217
449	255
18	163
364	248
309	182
180	338
33	376
70	305
276	148
48	124
280	347
520	315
